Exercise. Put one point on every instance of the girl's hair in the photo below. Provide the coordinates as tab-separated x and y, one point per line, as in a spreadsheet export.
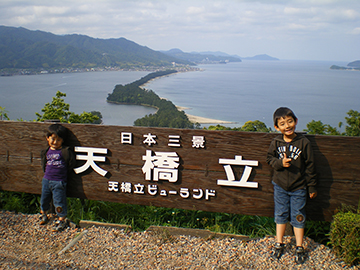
58	130
282	112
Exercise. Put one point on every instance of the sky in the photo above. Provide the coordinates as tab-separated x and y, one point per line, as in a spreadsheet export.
326	30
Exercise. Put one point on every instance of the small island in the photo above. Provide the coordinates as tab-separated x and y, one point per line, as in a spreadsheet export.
355	65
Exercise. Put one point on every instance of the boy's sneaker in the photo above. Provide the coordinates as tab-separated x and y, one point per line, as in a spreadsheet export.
279	249
43	219
60	225
300	255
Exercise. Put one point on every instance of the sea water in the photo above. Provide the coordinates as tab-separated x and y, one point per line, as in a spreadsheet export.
22	96
236	92
252	90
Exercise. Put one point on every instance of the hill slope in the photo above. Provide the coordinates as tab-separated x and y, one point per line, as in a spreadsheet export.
23	48
261	57
355	64
200	57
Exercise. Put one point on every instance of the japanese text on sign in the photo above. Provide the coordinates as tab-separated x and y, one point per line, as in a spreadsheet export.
164	166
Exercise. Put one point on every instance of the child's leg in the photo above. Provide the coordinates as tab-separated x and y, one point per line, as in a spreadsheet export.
279	245
299	236
281	200
282	205
298	217
300	255
298	214
59	198
280	231
46	196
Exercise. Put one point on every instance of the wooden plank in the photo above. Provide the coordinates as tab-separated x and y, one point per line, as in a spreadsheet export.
199	168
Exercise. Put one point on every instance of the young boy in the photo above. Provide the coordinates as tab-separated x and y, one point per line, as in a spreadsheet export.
291	157
57	160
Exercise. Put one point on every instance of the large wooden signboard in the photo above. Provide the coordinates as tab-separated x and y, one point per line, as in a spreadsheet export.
219	171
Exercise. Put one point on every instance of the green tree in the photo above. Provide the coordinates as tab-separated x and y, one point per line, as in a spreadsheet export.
3	114
59	110
353	121
220	127
256	125
317	127
98	114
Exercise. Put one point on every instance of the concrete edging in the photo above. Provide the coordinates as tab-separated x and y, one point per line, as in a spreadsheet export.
202	233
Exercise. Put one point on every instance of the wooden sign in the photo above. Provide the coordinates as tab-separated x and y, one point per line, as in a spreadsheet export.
218	171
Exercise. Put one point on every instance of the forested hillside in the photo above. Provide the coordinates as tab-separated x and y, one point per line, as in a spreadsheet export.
166	116
22	48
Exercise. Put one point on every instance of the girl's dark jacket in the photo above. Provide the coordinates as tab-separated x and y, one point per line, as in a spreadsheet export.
67	154
302	172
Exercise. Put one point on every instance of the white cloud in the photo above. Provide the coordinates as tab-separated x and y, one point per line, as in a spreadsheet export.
355	31
241	27
194	10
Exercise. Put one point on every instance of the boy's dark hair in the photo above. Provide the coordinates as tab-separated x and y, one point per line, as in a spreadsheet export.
282	112
58	130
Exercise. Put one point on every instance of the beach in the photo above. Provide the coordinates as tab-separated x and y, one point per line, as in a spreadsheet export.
192	118
202	120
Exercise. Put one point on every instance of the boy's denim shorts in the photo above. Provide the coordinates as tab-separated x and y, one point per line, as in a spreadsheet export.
55	190
290	205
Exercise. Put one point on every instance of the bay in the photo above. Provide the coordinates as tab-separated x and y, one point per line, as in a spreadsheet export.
252	90
236	92
22	96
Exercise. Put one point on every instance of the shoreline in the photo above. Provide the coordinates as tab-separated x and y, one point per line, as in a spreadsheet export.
182	70
202	120
192	118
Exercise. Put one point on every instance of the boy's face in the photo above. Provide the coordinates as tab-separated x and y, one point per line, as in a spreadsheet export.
287	126
55	142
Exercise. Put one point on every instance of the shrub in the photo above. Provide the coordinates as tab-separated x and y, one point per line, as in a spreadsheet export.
345	235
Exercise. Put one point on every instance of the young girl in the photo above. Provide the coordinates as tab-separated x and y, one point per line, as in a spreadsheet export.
57	160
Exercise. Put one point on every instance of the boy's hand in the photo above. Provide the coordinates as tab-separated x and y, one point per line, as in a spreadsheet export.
313	195
286	161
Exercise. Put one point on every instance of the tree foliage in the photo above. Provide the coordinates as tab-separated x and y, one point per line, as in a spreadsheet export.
251	126
3	114
353	121
314	127
23	48
317	127
59	110
167	114
351	129
255	126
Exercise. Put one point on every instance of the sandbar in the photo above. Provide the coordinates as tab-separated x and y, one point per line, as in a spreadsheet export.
202	120
192	118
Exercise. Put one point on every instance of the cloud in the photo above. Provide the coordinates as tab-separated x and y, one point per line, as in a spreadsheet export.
355	31
194	10
241	27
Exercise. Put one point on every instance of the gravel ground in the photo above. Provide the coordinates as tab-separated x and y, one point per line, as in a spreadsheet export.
25	244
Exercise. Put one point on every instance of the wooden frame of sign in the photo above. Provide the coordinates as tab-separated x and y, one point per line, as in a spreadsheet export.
217	171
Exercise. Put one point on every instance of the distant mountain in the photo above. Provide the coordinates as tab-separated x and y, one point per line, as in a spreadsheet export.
200	58
261	57
256	57
23	48
355	64
218	53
